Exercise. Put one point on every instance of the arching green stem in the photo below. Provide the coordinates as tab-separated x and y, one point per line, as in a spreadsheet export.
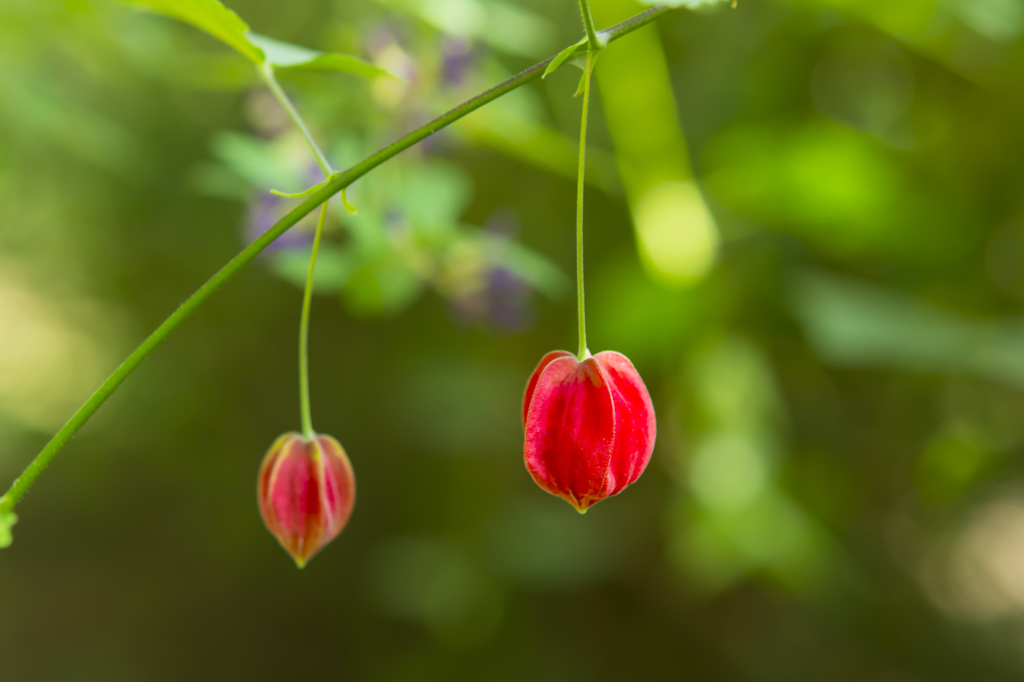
307	304
336	183
580	302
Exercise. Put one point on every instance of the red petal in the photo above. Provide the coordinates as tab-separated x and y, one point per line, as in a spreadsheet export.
570	431
306	490
635	424
339	490
267	467
294	500
531	385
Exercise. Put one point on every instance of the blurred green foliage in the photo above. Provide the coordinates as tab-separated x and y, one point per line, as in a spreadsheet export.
804	226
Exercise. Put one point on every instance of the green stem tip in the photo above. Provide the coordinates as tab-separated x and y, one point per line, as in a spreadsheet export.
593	38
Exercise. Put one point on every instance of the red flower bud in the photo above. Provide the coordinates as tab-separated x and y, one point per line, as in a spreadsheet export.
306	490
589	425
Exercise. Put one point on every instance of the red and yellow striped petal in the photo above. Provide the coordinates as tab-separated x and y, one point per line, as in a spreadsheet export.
306	490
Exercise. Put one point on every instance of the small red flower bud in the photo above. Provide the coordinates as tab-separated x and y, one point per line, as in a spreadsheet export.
589	425
306	490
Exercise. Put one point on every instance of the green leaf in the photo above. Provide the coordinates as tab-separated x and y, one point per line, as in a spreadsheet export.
581	88
220	22
855	324
433	197
503	25
384	286
213	18
563	57
288	56
334	267
7	519
258	162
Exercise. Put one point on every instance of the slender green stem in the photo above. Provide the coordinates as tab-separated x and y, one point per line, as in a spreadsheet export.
267	71
336	183
307	303
588	23
307	299
580	304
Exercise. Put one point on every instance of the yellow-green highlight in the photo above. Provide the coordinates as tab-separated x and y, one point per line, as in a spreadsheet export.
677	236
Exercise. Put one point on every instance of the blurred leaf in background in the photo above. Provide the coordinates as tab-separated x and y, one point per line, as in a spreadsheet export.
212	17
859	325
744	521
676	233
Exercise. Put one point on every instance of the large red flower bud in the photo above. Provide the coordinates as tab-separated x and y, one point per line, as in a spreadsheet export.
306	490
589	425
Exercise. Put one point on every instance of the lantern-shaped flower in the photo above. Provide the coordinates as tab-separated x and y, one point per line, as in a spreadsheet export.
589	425
306	490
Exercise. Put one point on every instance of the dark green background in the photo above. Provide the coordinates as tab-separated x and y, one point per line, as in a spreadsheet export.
836	490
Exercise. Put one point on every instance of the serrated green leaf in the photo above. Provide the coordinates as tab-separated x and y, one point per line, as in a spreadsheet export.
213	18
288	56
7	520
563	57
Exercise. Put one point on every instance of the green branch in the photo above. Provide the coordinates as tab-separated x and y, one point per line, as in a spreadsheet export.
336	183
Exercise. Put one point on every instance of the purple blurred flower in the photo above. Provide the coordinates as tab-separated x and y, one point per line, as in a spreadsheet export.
503	223
503	301
458	57
510	301
385	47
266	209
